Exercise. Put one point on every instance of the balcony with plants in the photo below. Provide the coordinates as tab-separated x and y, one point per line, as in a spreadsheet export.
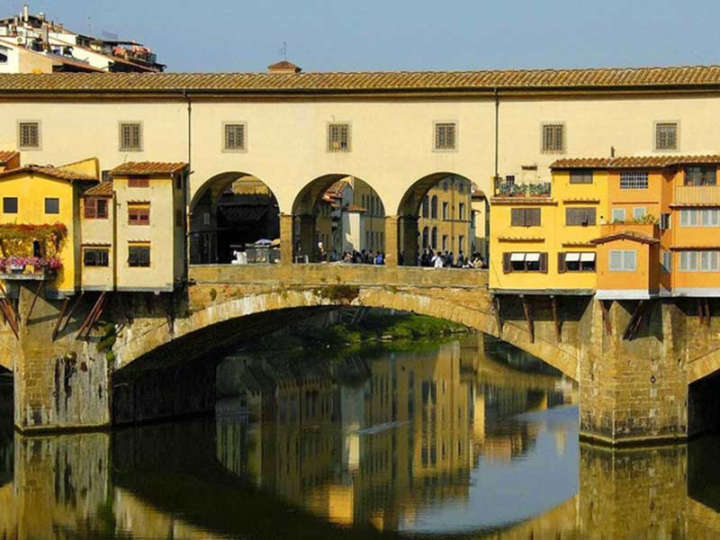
31	251
511	189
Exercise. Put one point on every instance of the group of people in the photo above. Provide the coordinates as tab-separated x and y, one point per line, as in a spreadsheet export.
446	259
363	257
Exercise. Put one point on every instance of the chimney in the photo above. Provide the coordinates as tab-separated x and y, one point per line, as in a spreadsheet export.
284	67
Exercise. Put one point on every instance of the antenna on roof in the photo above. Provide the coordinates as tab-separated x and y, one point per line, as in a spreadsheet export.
283	50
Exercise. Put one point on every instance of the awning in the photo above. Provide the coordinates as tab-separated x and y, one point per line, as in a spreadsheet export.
532	257
587	257
517	257
572	257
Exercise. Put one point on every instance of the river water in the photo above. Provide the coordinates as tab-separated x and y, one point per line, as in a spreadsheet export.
448	440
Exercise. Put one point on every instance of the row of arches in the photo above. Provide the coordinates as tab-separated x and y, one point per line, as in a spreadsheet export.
235	218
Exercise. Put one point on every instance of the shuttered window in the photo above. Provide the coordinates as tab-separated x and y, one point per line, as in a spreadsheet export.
553	138
525	262
96	208
623	260
581	176
138	214
28	135
699	261
139	255
445	138
525	217
235	137
580	216
338	137
576	262
666	136
131	137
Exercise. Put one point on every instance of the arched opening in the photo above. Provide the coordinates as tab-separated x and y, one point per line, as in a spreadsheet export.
234	218
444	204
338	217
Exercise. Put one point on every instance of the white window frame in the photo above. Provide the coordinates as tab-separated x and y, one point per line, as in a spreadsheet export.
618	211
700	217
634	175
639	212
624	265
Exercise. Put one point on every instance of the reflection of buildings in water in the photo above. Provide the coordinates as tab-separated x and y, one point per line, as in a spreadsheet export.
378	451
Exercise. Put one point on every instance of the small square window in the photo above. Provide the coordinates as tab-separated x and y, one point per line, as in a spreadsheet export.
338	137
10	205
553	138
581	176
445	136
138	256
234	137
666	136
52	205
29	135
96	208
138	214
131	137
96	257
618	215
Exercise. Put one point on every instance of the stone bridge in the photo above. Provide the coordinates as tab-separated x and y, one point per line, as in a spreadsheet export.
138	364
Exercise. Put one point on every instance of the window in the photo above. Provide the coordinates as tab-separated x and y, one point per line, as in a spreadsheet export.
553	138
666	264
700	217
445	138
639	212
138	181
338	137
525	217
665	222
633	180
524	262
581	176
96	257
52	205
139	255
699	261
445	214
426	207
28	135
206	218
618	215
234	137
623	260
433	238
700	176
461	211
445	242
96	208
10	205
576	262
461	243
425	237
580	216
666	136
131	137
139	214
434	207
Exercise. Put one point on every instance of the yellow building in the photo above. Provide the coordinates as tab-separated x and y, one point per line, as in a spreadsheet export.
445	222
39	224
150	225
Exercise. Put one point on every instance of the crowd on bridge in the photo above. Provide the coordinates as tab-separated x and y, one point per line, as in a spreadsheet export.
446	259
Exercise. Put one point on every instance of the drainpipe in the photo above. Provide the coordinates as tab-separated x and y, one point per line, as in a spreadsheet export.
186	190
497	129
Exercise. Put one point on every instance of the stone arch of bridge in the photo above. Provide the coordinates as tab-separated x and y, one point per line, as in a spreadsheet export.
335	213
230	210
132	347
413	215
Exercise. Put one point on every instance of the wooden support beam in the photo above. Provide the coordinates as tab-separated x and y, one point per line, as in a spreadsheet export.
636	320
7	312
32	304
701	312
60	316
91	316
528	317
556	320
77	304
498	316
606	317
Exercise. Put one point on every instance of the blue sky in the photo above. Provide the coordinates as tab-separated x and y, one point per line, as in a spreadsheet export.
322	35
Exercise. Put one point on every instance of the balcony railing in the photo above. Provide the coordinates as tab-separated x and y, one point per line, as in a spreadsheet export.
504	188
697	195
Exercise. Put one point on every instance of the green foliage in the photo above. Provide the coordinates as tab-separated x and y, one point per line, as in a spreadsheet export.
339	293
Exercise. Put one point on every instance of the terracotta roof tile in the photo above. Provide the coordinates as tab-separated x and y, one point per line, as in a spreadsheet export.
7	155
62	174
634	162
148	167
626	235
103	189
488	80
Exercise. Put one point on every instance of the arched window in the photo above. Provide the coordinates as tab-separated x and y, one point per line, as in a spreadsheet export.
425	237
434	237
426	206
434	207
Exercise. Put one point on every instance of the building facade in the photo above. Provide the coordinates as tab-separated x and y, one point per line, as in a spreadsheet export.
445	222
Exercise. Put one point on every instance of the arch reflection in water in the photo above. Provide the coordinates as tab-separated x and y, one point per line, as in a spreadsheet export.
390	441
347	450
